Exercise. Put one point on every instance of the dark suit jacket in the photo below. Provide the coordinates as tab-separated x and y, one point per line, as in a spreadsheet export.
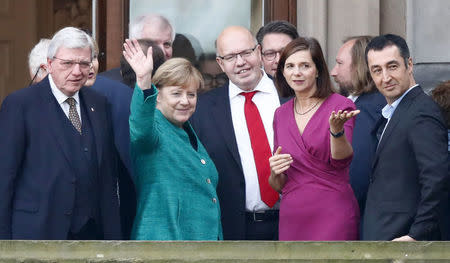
119	96
409	174
214	126
364	146
113	74
37	189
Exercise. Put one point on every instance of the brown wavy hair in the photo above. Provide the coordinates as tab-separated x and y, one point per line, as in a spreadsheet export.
361	80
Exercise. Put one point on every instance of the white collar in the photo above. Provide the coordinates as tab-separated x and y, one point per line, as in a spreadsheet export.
389	109
61	97
265	85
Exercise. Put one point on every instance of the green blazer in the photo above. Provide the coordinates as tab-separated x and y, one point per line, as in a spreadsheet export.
175	183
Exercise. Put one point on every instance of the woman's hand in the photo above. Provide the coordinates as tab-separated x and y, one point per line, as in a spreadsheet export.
139	62
337	120
279	163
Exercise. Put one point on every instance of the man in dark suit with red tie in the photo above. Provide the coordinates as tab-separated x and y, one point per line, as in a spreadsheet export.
234	122
58	174
409	180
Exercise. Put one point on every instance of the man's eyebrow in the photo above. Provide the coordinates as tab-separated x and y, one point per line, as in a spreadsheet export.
392	62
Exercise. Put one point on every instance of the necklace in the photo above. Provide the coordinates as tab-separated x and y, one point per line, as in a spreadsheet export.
310	109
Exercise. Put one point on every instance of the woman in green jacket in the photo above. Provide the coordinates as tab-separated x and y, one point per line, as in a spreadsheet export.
175	178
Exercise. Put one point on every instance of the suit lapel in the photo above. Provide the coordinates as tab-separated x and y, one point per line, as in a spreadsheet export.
51	118
400	112
221	107
93	114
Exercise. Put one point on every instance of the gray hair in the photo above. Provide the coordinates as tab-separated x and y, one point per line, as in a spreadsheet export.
70	37
38	56
137	25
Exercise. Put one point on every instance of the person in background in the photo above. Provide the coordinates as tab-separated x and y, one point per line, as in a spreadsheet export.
118	97
182	48
154	27
58	162
175	178
410	170
353	77
37	61
234	122
312	137
272	38
211	72
129	77
441	95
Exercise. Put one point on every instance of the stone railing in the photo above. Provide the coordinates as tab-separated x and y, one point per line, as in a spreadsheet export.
226	251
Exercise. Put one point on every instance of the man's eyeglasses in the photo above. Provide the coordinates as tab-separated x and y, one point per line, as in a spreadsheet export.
69	64
35	75
220	79
271	54
244	54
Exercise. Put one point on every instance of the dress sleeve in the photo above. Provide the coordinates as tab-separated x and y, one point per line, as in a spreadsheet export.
142	118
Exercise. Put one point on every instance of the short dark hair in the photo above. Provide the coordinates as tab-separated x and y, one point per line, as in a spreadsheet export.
380	42
324	87
128	75
441	94
277	26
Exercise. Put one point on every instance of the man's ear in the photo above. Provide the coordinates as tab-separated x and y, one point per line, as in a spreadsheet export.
220	62
43	67
410	65
48	66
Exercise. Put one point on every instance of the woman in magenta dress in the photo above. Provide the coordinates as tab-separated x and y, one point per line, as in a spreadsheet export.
312	138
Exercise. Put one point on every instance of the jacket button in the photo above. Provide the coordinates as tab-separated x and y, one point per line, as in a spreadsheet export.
214	200
203	161
208	181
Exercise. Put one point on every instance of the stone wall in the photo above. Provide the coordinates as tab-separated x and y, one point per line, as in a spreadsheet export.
227	251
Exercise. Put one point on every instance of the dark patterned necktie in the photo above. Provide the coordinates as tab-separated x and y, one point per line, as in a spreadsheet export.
73	114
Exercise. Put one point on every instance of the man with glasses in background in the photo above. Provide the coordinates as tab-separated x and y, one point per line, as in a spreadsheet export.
272	38
234	122
57	158
154	27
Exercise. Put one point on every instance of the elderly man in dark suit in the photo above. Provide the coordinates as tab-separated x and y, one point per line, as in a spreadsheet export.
57	159
409	177
234	122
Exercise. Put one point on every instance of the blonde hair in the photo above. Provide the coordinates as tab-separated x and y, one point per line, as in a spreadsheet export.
177	72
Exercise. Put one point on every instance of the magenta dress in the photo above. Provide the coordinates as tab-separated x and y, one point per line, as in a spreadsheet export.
317	202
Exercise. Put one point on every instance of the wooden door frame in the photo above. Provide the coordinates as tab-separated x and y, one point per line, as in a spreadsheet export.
113	19
280	10
112	29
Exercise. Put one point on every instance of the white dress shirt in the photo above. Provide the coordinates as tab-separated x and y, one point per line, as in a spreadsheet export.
61	98
267	102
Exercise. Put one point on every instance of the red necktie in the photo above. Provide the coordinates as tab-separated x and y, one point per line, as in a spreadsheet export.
261	149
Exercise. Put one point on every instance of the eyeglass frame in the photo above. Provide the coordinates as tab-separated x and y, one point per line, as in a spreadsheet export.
35	75
215	77
72	63
241	54
275	52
